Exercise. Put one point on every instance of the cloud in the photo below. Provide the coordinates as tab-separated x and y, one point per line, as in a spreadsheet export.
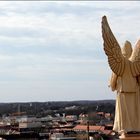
52	49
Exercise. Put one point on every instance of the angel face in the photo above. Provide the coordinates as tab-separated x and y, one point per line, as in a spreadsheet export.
127	49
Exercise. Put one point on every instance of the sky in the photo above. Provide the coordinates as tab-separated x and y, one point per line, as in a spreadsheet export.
53	51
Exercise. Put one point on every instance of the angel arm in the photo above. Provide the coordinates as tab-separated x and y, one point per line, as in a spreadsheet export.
112	49
113	81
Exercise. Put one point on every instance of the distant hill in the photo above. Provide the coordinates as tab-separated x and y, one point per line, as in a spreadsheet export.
52	107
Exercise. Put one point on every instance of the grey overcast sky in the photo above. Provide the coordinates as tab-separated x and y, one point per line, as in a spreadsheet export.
52	51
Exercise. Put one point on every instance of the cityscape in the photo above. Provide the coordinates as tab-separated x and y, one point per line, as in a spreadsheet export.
76	120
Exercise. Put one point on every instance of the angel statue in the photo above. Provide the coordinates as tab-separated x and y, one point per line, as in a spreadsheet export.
125	80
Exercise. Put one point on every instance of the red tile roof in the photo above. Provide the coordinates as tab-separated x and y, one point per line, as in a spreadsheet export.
92	128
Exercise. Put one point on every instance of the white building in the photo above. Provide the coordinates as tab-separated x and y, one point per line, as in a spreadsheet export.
29	122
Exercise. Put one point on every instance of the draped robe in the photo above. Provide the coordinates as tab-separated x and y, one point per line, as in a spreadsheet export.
127	111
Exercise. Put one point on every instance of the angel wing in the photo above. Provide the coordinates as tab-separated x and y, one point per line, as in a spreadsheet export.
135	60
112	49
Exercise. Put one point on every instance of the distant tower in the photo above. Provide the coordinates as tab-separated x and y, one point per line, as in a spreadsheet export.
97	107
19	108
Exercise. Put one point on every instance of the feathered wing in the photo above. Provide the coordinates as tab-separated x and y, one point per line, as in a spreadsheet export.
135	60
112	49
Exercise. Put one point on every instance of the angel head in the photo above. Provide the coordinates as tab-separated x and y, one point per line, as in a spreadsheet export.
127	49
